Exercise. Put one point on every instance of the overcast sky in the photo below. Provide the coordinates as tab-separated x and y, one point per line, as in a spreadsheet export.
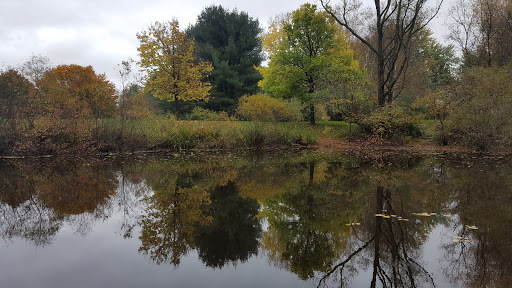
102	33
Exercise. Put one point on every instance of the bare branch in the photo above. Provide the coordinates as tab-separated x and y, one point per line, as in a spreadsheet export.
343	22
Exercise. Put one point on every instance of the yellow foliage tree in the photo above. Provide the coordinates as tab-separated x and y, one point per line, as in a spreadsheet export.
173	72
169	227
275	36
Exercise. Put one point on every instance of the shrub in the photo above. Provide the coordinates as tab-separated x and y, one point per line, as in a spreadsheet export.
137	106
294	110
269	134
437	106
390	122
264	108
199	113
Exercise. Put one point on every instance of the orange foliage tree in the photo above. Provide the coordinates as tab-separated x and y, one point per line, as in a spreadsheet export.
87	86
67	98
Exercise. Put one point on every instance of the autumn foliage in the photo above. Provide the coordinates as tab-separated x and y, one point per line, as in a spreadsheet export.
83	84
14	90
68	98
265	108
58	111
167	55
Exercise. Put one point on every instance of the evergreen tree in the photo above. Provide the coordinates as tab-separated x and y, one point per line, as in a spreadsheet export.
229	40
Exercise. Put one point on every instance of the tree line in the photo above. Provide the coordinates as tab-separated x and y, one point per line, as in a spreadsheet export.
380	68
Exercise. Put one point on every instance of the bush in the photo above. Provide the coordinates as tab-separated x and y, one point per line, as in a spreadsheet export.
437	106
263	108
294	110
390	123
270	134
202	114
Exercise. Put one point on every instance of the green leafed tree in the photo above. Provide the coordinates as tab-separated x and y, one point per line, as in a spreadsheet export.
311	50
173	72
440	61
229	40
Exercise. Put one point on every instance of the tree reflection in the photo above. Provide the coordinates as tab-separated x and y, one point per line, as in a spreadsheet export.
483	197
16	183
390	247
388	243
38	199
308	231
173	213
235	231
129	195
76	191
305	227
214	206
30	220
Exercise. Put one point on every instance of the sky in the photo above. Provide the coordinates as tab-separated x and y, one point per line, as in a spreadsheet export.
102	33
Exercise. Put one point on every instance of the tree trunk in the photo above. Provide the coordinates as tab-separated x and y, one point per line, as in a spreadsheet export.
176	107
381	69
312	114
381	95
311	90
390	89
408	23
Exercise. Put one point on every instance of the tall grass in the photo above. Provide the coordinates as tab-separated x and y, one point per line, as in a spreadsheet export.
165	132
161	132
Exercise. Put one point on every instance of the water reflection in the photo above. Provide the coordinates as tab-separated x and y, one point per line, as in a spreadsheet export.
306	225
312	215
172	216
37	200
234	233
388	246
482	197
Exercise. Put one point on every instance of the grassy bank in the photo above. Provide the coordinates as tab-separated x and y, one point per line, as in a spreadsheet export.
162	132
165	133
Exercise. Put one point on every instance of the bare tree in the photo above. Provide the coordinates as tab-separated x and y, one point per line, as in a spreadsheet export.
396	22
461	23
126	77
35	67
483	31
124	72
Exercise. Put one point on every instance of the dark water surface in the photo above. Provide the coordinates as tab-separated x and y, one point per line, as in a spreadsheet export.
273	220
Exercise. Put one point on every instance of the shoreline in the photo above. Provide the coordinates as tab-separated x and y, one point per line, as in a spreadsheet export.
324	145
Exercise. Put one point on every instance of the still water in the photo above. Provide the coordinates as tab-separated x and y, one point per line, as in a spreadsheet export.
274	220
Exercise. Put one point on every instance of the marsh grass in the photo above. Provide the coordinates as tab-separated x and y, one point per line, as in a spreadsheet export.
162	132
167	133
338	129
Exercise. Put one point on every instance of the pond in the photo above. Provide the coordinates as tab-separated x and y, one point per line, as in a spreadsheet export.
296	219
